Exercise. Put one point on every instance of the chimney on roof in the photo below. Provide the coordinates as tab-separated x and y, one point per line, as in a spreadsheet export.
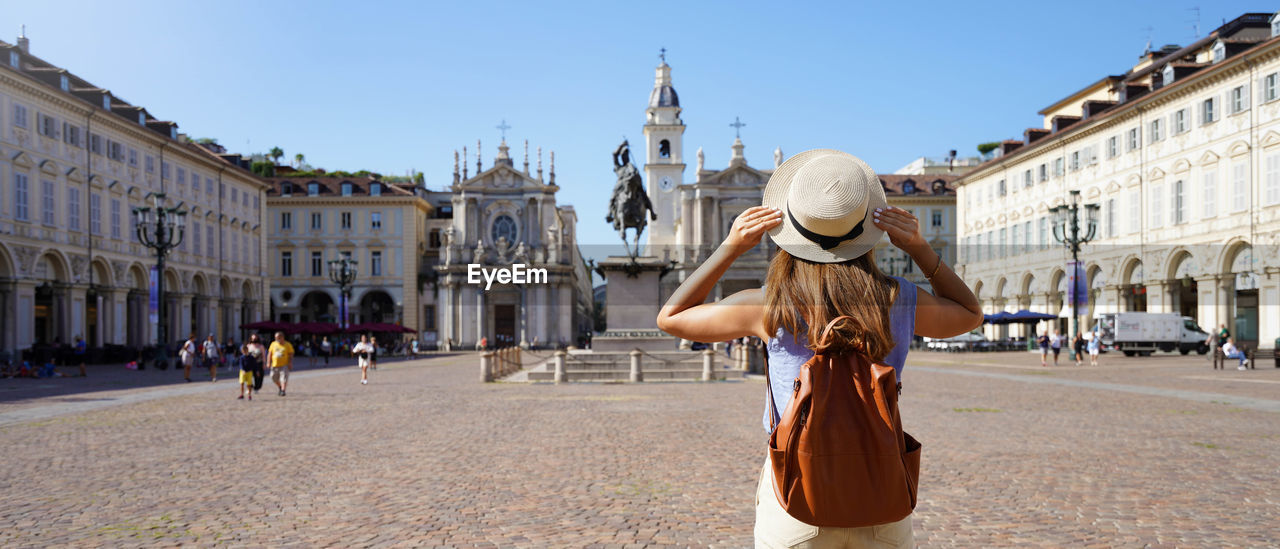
24	43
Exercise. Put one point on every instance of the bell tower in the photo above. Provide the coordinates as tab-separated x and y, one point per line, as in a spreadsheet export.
664	160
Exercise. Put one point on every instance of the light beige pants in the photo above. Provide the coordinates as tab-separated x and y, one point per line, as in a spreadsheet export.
775	529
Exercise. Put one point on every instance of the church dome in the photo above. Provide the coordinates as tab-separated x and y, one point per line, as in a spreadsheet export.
664	96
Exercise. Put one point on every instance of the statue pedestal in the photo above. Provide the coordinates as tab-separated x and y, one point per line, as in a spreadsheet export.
632	306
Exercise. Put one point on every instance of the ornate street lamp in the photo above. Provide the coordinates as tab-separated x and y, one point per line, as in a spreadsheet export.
1066	229
343	273
160	229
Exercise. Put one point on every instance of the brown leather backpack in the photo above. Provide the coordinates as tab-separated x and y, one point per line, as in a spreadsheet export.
839	455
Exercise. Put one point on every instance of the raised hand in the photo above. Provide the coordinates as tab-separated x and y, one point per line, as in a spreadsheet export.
749	227
902	227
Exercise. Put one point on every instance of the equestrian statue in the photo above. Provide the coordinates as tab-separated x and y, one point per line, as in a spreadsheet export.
629	203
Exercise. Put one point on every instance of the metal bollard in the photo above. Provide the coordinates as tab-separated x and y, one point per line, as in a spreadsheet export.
519	362
636	374
708	365
560	373
486	362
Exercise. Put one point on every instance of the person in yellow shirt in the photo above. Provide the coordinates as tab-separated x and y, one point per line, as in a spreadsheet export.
280	356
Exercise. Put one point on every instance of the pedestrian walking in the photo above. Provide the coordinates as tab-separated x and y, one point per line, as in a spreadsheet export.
326	349
187	354
413	346
252	354
373	355
1043	341
312	351
229	355
1077	347
364	353
1095	347
1055	343
280	355
824	293
210	356
81	351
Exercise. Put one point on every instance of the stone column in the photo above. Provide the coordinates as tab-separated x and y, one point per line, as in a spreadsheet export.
1268	310
119	315
480	315
544	314
565	314
8	317
1158	297
24	313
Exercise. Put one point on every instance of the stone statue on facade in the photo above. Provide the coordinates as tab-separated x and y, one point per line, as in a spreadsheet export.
777	157
630	203
701	159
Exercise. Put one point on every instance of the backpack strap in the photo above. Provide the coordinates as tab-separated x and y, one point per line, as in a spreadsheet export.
768	389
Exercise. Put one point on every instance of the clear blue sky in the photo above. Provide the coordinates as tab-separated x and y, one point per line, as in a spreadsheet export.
393	86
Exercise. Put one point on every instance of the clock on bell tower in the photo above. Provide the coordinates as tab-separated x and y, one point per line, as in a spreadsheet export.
664	161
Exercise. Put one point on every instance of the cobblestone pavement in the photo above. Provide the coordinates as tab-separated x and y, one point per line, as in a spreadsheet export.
425	455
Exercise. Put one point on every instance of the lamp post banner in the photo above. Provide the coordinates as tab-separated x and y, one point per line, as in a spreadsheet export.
1077	285
153	306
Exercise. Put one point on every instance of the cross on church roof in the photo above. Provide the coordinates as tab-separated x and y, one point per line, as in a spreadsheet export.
504	127
662	54
737	127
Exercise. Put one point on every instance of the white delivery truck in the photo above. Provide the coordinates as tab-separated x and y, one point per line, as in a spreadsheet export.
1144	333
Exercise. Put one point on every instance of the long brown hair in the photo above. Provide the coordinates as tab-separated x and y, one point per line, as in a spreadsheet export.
803	296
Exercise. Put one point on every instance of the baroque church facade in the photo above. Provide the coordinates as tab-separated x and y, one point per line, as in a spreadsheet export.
503	216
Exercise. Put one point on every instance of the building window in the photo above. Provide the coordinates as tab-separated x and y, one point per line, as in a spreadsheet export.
504	227
286	263
115	218
286	189
1269	87
208	239
315	221
1113	147
1210	187
1180	121
1044	174
1275	27
1044	233
71	134
1157	190
150	164
317	264
375	189
73	208
1219	51
133	157
1001	186
1058	167
936	220
1134	140
235	250
1016	234
1208	110
375	221
375	263
20	197
19	115
1135	211
1075	160
235	194
1026	178
95	214
14	59
1272	179
1239	99
346	189
1026	237
1111	218
48	125
46	202
1157	130
1179	203
182	177
195	237
313	189
346	221
115	151
286	221
1239	187
1167	75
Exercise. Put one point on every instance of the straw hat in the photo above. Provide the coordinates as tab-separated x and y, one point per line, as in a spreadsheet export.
827	198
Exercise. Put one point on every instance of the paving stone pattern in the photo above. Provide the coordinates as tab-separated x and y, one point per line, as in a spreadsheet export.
425	455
